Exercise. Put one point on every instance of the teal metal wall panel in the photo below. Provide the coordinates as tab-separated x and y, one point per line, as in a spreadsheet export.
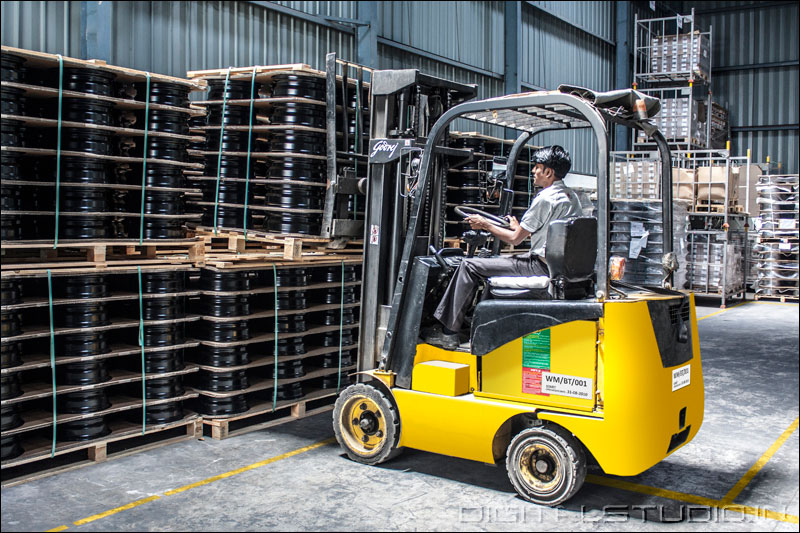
52	27
746	35
469	32
173	37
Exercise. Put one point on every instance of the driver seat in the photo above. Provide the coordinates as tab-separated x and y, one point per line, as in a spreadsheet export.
570	255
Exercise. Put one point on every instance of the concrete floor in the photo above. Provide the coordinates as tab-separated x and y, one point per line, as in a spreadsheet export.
751	378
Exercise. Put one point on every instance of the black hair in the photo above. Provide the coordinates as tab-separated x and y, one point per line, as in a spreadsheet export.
554	157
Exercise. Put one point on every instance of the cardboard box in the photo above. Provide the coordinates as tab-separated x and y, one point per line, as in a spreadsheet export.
711	185
748	194
683	184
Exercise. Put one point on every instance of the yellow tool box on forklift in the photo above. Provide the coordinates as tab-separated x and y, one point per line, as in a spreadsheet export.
556	366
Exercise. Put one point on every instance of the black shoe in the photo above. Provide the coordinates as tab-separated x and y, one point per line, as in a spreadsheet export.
443	340
435	329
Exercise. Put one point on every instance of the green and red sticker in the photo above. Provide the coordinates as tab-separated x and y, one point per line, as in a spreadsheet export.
535	360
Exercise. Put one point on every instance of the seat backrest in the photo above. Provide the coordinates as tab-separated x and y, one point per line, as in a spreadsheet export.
571	248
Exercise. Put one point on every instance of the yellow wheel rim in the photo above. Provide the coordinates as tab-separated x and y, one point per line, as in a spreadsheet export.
540	468
363	425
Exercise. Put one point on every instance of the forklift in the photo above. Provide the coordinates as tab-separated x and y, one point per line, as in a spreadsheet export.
558	369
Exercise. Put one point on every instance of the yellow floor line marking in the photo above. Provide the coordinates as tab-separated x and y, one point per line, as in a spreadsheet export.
737	489
691	498
652	491
59	528
251	467
115	510
723	310
199	483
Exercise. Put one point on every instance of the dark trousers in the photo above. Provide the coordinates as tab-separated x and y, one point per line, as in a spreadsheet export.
470	272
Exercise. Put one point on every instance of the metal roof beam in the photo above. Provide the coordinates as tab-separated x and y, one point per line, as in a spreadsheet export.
742	7
315	19
754	66
436	57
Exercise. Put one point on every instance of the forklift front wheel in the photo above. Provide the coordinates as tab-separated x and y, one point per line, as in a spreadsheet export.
546	464
366	424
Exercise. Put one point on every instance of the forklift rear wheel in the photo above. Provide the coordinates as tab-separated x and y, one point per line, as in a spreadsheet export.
366	424
546	464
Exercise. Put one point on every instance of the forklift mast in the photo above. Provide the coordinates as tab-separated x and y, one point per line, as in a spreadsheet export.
405	106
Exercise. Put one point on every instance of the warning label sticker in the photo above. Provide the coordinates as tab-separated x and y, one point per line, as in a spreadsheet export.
563	385
681	377
535	360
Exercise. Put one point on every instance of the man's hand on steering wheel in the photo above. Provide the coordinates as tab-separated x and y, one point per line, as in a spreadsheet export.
478	222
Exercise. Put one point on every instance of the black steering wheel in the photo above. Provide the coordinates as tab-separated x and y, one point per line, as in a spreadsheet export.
464	211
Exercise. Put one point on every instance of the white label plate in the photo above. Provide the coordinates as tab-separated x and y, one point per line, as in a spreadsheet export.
563	385
681	377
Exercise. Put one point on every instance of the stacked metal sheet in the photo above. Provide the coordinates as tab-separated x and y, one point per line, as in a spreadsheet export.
687	53
636	178
777	251
716	254
637	233
681	119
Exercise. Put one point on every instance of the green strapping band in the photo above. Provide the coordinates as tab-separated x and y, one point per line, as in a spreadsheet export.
141	344
52	357
275	372
144	156
355	145
221	135
249	139
58	142
341	320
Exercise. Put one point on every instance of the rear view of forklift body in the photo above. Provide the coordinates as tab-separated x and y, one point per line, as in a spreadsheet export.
614	370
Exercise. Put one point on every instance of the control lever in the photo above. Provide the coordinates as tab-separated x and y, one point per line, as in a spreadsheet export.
439	258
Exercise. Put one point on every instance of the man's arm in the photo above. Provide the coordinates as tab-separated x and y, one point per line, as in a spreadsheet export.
513	235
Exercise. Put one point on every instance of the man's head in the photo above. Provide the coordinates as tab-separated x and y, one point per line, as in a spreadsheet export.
551	163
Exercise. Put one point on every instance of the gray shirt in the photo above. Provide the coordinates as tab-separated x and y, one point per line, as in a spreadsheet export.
557	202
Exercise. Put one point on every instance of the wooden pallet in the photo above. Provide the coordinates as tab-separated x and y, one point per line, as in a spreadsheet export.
22	255
719	208
229	247
124	440
43	59
781	298
262	416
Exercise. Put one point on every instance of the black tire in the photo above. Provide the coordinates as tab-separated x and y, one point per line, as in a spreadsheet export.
366	424
546	464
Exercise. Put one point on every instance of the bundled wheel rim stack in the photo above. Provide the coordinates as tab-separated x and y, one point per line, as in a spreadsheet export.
463	184
10	384
89	206
226	133
295	189
778	249
225	303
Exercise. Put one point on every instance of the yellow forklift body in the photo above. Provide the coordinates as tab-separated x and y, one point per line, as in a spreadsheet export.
514	371
637	414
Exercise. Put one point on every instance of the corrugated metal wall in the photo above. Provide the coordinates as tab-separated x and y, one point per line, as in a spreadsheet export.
173	37
556	52
748	33
468	32
562	42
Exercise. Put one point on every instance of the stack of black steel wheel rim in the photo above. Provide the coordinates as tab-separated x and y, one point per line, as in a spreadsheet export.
225	304
231	189
297	171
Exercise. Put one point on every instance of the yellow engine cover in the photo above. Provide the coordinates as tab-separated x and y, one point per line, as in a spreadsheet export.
551	367
441	377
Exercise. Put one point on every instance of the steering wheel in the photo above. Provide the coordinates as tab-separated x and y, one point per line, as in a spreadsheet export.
464	211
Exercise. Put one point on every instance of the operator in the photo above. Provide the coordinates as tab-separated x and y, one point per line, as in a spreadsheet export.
555	201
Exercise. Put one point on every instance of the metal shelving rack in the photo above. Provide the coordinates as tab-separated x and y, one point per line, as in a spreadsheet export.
675	66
